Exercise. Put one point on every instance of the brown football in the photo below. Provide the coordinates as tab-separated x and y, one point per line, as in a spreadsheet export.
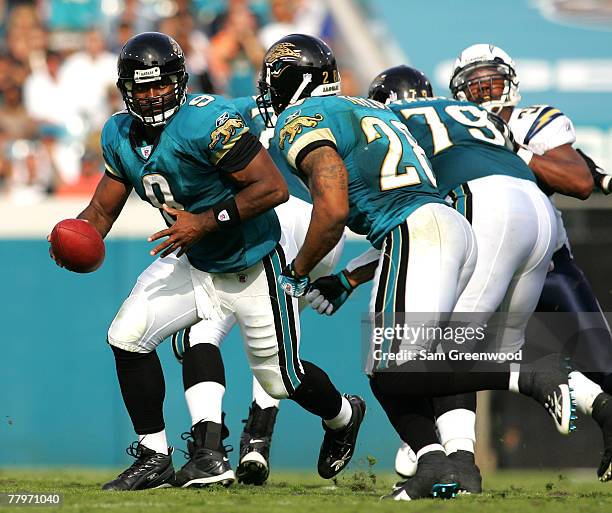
77	245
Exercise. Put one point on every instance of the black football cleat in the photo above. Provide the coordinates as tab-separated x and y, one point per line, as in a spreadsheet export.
254	467
602	414
466	471
434	478
150	470
338	445
546	382
208	462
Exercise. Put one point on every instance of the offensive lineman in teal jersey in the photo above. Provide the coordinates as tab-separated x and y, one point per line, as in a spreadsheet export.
474	140
255	440
193	157
364	170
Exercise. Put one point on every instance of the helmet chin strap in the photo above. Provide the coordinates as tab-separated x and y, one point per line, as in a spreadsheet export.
306	79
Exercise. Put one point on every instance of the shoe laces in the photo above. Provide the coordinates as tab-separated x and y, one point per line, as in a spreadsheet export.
135	450
195	450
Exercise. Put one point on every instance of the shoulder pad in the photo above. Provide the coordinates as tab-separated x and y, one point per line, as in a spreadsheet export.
545	117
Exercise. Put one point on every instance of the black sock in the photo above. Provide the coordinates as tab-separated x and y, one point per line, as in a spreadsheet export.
202	363
316	393
411	417
143	389
441	405
436	384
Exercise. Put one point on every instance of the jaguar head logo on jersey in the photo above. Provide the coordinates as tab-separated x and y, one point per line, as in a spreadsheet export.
294	126
295	67
225	131
149	60
486	75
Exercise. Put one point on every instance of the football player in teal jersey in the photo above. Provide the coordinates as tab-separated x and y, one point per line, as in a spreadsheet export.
255	440
222	254
365	170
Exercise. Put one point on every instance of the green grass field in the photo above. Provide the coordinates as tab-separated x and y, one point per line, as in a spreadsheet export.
294	492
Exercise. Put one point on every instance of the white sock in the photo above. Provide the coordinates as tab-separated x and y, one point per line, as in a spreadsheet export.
585	391
204	401
343	418
155	441
262	399
457	430
513	384
429	448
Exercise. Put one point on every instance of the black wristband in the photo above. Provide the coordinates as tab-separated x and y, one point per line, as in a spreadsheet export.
226	214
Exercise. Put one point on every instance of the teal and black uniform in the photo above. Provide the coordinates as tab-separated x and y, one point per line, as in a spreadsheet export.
389	177
462	141
247	107
188	167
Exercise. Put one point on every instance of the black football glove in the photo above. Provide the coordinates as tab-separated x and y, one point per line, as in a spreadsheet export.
327	294
601	178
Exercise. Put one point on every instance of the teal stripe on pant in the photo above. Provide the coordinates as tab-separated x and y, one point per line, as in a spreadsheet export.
289	346
394	238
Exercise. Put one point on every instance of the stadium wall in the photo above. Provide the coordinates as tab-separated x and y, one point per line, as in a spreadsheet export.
60	403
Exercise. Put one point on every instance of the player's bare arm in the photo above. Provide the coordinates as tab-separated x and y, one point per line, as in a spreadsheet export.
106	204
563	170
262	189
328	184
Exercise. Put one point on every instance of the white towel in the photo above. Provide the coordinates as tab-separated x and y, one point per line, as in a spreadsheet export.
208	303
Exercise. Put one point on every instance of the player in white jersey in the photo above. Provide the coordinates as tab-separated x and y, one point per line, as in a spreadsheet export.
485	74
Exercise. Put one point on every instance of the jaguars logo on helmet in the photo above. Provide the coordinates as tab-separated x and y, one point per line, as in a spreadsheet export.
152	57
295	67
283	51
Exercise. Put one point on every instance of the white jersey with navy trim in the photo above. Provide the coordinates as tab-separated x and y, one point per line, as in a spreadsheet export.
541	128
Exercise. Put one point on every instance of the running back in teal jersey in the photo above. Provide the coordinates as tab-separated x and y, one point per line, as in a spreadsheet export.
462	141
247	107
185	169
389	175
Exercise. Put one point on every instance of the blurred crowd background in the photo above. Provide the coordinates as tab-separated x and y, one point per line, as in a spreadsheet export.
58	71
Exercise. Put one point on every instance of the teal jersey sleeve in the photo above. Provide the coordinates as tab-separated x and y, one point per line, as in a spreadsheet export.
302	128
116	126
210	127
389	176
462	140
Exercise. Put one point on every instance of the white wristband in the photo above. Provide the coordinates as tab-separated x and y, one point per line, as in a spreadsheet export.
525	154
